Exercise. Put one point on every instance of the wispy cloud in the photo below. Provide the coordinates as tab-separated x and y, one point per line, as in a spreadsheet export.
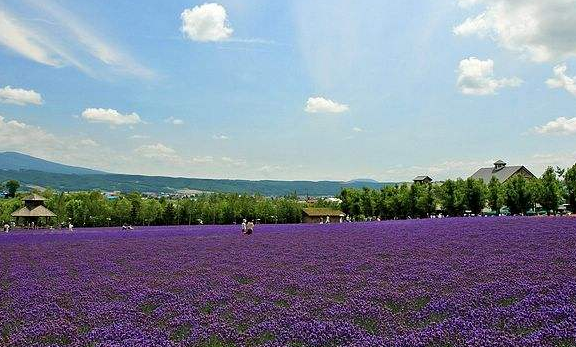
24	41
220	137
173	121
66	40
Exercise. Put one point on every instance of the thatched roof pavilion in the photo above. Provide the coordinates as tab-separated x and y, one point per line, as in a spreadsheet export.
33	210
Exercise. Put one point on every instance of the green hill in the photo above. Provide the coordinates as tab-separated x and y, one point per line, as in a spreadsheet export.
131	183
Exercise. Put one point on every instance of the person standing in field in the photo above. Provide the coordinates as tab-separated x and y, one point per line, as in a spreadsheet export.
70	226
244	226
6	227
249	228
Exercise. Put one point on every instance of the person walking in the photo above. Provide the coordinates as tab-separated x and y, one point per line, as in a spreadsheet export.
6	227
70	227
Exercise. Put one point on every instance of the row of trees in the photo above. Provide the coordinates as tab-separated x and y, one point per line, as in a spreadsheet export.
452	198
93	209
456	198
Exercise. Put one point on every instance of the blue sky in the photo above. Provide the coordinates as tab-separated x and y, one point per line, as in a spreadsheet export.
290	89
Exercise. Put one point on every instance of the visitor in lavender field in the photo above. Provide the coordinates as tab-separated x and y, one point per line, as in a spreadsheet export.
249	228
244	227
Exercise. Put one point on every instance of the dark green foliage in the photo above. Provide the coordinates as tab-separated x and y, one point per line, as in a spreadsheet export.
12	187
475	195
570	180
452	197
181	333
549	193
169	214
495	195
518	195
93	209
368	324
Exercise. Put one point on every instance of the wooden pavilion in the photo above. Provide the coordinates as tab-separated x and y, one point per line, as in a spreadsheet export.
33	211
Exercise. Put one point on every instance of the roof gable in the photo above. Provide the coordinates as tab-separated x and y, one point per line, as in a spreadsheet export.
38	211
322	212
502	174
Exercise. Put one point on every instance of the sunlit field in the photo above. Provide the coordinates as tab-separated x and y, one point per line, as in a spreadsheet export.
451	282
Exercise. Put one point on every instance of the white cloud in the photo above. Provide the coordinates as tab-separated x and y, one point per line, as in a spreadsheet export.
173	121
357	129
89	143
17	135
268	170
158	151
59	38
476	77
139	137
220	137
560	126
205	23
233	162
202	160
33	140
322	105
164	154
541	30
468	3
110	116
16	96
544	160
561	80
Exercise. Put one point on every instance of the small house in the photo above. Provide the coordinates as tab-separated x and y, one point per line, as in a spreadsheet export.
322	215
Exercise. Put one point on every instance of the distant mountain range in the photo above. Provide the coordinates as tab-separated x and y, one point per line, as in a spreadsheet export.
35	172
17	161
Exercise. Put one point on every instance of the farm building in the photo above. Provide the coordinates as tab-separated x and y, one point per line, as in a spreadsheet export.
502	172
423	179
33	211
321	215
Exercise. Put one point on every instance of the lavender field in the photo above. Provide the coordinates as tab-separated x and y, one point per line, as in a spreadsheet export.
458	282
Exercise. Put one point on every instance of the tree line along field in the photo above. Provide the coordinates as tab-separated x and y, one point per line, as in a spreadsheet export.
434	282
451	198
459	197
93	209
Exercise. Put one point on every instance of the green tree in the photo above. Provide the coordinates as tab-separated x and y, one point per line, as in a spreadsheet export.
475	195
368	202
495	195
12	187
121	211
169	214
150	211
570	182
426	201
452	194
518	196
550	192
